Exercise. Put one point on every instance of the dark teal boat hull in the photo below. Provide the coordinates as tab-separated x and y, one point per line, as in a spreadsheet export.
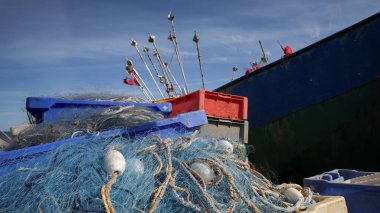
318	109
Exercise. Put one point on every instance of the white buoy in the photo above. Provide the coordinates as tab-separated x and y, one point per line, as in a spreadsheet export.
135	167
224	147
292	195
114	161
203	170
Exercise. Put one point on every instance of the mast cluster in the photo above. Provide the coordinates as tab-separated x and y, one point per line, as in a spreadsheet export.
163	77
166	78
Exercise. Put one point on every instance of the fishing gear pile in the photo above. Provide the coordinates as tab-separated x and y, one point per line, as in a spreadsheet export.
145	173
86	120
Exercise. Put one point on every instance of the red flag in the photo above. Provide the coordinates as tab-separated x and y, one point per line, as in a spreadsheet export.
131	81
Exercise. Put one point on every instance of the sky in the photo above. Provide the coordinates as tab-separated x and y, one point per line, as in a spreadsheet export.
55	48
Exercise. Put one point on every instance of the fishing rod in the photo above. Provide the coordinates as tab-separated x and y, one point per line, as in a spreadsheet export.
134	44
173	38
234	69
133	72
196	40
152	39
161	78
264	58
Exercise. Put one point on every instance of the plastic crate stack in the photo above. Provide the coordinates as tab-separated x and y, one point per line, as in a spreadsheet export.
226	114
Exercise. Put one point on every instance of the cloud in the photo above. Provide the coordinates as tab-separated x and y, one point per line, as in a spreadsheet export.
31	51
314	31
68	46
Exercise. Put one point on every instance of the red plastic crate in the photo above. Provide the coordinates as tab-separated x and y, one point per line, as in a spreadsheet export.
214	103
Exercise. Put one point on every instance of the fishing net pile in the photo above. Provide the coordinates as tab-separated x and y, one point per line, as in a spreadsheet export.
185	174
192	173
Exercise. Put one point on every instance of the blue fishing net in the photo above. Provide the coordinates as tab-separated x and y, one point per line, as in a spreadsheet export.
192	173
187	174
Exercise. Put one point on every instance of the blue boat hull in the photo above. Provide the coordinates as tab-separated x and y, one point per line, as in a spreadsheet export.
318	109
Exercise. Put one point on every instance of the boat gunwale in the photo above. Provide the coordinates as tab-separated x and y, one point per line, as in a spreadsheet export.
301	51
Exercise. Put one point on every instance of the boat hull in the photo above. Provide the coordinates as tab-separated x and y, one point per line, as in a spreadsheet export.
317	109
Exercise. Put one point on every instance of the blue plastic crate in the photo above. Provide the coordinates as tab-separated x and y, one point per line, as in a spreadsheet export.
181	125
360	197
50	110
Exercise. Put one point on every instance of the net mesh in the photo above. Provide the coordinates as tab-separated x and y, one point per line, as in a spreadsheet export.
192	173
84	120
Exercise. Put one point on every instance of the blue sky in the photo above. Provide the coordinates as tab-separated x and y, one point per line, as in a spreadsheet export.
53	48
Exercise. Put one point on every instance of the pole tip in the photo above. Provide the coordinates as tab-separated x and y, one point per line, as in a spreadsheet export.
145	49
133	43
129	62
235	68
151	38
196	37
170	16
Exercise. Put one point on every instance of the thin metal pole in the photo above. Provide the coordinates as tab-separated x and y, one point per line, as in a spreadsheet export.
280	44
160	77
145	93
167	78
176	47
171	74
152	39
234	69
264	58
146	50
196	40
141	88
145	89
161	64
134	44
